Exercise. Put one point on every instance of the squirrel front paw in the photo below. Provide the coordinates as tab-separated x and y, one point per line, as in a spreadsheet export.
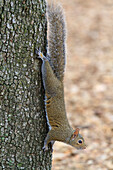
45	147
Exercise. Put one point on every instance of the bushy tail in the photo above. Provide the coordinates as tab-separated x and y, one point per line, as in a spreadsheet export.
56	40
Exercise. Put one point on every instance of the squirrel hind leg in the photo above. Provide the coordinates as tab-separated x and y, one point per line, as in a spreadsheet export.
40	55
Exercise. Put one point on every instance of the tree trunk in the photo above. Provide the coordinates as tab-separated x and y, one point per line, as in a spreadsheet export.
23	124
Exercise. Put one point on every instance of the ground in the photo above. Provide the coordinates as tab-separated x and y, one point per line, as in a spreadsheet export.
88	85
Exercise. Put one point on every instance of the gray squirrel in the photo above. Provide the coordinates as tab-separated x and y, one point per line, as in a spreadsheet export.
53	67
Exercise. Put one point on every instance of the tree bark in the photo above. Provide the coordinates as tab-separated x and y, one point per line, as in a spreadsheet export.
23	124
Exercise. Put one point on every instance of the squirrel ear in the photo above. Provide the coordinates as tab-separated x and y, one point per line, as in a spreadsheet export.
76	132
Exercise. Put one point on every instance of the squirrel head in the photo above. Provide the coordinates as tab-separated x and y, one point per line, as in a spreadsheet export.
77	140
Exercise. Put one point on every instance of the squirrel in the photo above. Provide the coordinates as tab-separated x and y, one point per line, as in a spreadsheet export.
53	66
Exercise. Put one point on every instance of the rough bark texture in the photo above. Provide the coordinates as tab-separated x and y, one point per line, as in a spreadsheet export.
22	117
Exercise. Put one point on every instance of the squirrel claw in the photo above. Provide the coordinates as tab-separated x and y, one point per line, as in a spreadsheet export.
39	53
45	148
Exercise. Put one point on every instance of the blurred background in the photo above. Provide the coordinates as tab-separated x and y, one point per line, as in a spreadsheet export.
88	84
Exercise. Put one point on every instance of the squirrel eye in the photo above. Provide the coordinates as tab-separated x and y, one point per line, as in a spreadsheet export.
80	141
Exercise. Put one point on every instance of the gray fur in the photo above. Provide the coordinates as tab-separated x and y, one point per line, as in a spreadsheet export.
57	40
